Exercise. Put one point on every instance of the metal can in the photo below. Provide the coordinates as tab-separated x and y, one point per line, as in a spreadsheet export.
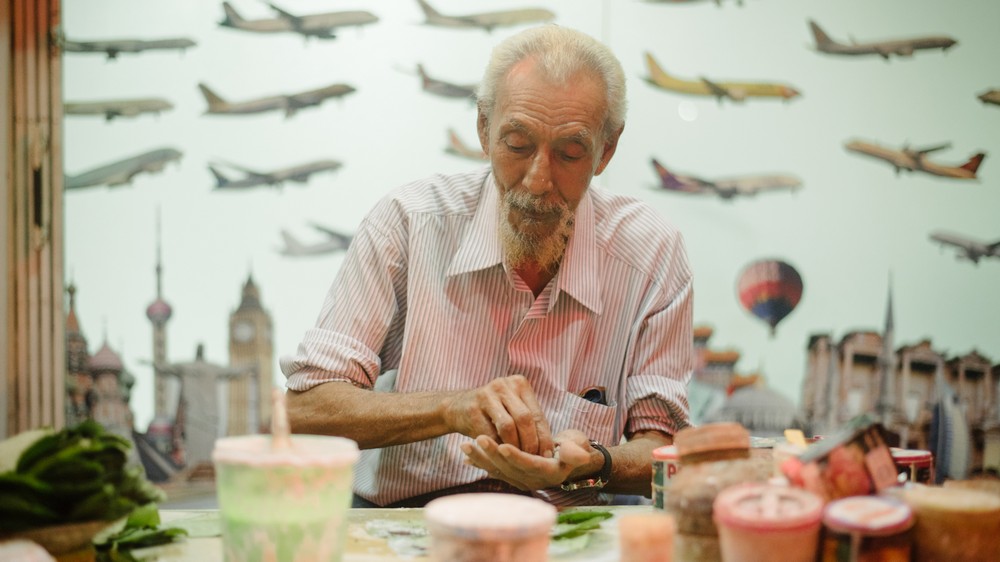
867	529
914	465
666	463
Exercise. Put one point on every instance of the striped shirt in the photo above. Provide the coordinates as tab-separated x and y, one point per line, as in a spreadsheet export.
423	302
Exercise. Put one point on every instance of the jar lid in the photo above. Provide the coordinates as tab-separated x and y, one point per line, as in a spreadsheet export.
869	515
722	436
767	507
489	516
665	453
910	455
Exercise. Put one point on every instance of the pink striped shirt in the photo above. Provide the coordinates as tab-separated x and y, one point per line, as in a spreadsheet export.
423	293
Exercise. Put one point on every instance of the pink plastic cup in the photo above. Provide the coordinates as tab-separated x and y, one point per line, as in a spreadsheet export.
763	522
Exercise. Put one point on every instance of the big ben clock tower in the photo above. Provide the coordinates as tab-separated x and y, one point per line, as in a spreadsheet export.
250	345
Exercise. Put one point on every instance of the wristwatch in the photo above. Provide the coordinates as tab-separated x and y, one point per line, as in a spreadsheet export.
602	478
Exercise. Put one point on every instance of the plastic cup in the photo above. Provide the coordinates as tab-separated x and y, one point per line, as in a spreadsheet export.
762	522
489	528
284	503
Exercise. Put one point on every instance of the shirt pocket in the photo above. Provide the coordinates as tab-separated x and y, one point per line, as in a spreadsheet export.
596	421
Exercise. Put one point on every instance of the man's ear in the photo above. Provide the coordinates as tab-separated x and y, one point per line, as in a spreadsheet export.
610	146
483	126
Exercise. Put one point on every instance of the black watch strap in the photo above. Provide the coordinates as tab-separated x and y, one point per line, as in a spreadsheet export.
602	478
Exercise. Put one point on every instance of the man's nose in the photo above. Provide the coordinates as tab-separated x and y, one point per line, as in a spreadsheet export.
539	178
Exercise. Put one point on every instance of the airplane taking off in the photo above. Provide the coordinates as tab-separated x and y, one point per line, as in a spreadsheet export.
323	26
736	91
968	248
915	160
445	89
335	242
990	96
459	148
486	20
113	47
117	108
121	172
898	47
290	103
727	188
299	174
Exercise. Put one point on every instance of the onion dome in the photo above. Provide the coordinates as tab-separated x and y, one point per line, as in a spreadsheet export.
105	360
762	410
159	311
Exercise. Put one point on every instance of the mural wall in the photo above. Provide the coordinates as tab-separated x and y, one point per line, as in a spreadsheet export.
277	133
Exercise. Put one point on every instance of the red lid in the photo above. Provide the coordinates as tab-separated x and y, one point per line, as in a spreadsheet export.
909	455
869	515
665	453
767	507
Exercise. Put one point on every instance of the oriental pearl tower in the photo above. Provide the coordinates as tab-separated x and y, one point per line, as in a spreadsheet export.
159	313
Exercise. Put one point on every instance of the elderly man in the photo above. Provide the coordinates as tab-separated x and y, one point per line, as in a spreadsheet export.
503	330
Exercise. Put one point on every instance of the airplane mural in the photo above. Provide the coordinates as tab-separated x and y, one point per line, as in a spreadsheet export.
290	103
445	89
275	178
990	96
968	248
726	188
486	20
117	108
323	25
898	47
121	172
335	242
735	91
112	48
459	148
915	160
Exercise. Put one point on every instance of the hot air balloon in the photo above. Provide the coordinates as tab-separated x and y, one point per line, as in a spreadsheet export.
769	289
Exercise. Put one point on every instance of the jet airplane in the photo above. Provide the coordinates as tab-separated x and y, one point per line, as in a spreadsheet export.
898	47
335	242
915	160
113	47
290	103
990	96
323	26
121	172
727	188
459	148
276	178
735	91
486	20
117	108
445	89
968	248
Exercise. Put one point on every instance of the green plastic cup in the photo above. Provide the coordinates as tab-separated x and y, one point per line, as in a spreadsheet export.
284	503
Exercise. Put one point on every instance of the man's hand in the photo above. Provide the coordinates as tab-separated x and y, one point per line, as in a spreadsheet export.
506	412
527	471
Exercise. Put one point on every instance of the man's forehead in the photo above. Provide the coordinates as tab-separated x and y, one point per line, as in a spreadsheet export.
569	131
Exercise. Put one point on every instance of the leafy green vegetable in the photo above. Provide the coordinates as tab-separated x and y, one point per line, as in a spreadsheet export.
572	524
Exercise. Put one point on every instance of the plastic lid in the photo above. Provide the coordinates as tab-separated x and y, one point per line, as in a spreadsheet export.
712	437
489	516
767	507
950	500
909	455
869	515
305	450
666	453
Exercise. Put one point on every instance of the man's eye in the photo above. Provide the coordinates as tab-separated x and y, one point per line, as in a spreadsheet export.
515	147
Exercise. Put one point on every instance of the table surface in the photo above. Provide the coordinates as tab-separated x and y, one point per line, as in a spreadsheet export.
363	546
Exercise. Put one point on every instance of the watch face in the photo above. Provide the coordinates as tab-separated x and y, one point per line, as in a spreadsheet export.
243	332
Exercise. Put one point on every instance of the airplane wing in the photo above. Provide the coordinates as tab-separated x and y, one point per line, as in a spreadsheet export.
263	176
720	91
934	148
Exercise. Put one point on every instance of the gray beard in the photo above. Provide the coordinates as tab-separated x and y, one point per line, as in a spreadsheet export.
522	248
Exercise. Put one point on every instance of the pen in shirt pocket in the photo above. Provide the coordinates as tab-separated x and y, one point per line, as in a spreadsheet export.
595	394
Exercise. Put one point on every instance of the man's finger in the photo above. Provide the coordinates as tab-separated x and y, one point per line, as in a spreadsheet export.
542	431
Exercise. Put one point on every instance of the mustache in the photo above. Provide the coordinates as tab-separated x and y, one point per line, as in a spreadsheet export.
536	205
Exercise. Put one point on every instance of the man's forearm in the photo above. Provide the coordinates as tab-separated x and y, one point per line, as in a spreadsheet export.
373	419
631	464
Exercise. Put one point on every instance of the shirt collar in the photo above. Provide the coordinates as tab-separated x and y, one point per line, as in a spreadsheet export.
578	275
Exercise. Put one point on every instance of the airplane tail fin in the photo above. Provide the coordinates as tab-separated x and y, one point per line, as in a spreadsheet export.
656	73
215	101
424	79
668	179
220	179
973	164
822	39
292	245
429	12
232	17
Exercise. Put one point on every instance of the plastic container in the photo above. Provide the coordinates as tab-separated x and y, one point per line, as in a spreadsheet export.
713	442
913	465
867	529
666	463
953	524
489	528
284	503
765	522
646	537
